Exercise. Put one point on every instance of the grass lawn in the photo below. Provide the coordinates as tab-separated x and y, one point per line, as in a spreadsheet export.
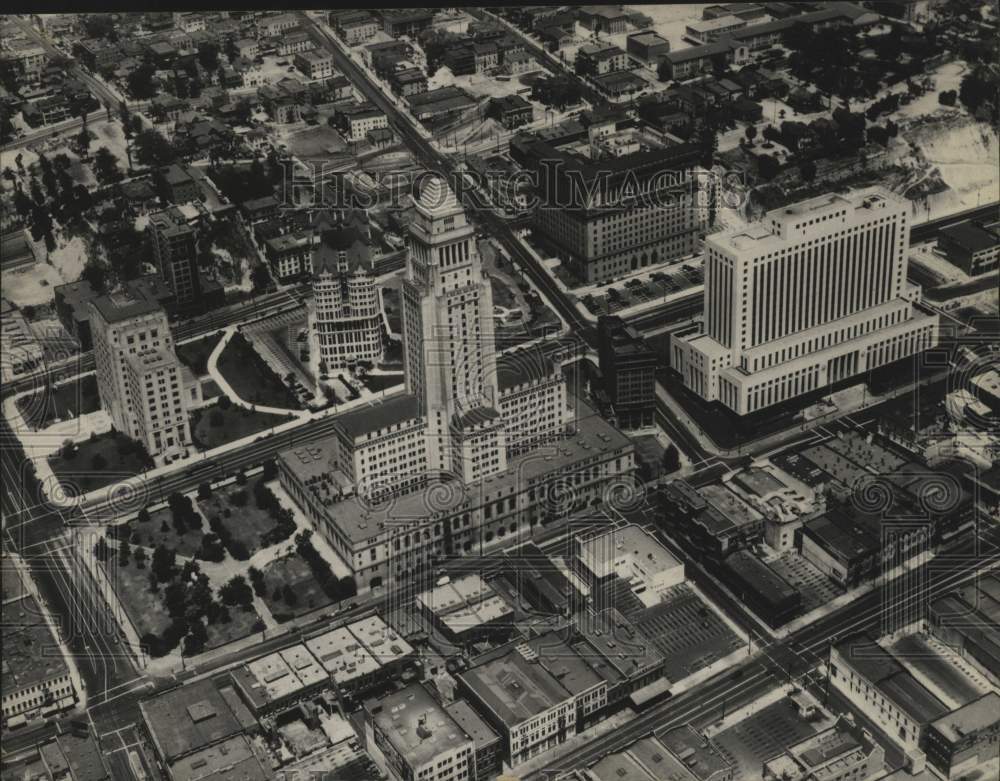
237	423
241	621
294	572
195	354
122	459
380	382
210	389
62	402
251	378
144	608
502	295
247	523
149	535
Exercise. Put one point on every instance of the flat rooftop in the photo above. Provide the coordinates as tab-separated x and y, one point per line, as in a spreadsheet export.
380	640
472	724
417	726
192	716
230	760
530	678
342	655
627	548
970	719
699	754
359	523
31	655
730	505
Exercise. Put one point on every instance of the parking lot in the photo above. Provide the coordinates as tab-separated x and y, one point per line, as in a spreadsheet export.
659	286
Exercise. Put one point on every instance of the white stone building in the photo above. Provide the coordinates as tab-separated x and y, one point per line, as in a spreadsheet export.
814	294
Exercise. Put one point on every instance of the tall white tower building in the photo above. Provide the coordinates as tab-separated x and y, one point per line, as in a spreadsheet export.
814	294
448	341
139	377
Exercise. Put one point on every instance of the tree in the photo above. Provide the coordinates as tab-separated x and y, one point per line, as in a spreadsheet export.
143	516
236	592
807	170
106	166
260	277
175	599
140	558
99	463
751	133
197	637
153	149
204	491
124	552
164	563
947	97
289	596
208	55
241	478
671	459
768	167
257	581
101	550
140	82
270	470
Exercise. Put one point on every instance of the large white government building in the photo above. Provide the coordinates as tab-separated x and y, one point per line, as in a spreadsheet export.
464	459
814	294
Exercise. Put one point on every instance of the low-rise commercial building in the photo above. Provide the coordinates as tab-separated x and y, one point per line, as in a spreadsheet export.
316	64
769	595
839	752
485	740
411	736
192	717
972	246
967	740
598	59
648	46
886	693
535	694
511	111
467	609
279	679
36	682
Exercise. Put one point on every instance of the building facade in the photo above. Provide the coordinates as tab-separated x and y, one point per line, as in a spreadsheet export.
814	294
145	398
175	249
588	214
629	368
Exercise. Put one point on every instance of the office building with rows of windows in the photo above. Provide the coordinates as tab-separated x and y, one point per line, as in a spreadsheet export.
607	209
814	294
139	377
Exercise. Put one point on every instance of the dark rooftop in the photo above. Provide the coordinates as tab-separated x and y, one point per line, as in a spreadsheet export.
367	420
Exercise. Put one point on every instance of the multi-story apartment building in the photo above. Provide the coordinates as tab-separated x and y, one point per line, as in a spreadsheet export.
598	59
156	387
588	212
354	26
355	122
247	48
629	366
275	25
295	42
146	400
536	695
397	22
814	294
25	60
315	64
175	249
411	736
